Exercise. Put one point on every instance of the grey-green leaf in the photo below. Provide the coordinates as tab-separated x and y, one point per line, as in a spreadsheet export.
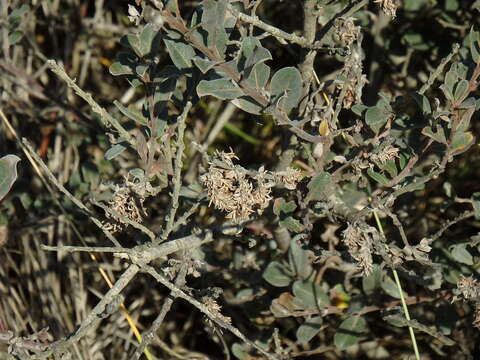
180	53
350	332
124	65
258	76
373	281
318	186
246	103
292	224
146	39
460	253
390	287
131	113
375	118
286	88
311	294
381	179
213	21
461	90
423	103
309	329
8	173
220	88
298	259
114	151
14	37
277	274
474	45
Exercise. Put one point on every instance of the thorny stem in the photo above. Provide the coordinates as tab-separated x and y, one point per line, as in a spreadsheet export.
400	291
177	181
140	256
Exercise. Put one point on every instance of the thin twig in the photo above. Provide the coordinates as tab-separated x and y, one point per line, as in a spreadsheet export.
439	69
177	180
204	309
445	226
98	249
108	120
125	219
148	336
183	219
280	35
67	193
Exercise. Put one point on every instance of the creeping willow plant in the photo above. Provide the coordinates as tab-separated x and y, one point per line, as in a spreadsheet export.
310	245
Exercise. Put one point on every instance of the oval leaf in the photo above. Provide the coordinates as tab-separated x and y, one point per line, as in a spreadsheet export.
350	332
8	173
220	88
180	53
311	294
460	253
286	88
309	329
277	274
375	118
461	90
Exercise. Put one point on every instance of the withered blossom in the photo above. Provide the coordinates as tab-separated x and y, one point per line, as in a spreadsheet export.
389	7
469	288
215	309
126	202
233	189
345	30
388	153
359	247
290	177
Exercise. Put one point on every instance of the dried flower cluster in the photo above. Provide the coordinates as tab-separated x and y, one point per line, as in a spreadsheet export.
235	190
389	7
469	288
215	309
345	30
360	247
388	153
290	178
356	79
127	202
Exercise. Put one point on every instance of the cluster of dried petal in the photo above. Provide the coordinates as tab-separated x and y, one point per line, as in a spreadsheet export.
389	7
290	178
360	247
233	189
215	309
345	30
126	202
356	80
476	316
388	153
469	288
